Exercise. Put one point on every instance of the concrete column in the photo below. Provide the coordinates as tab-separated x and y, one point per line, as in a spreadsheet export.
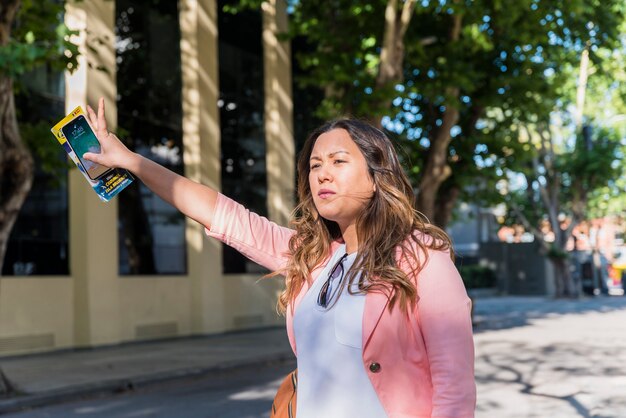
93	223
201	139
278	113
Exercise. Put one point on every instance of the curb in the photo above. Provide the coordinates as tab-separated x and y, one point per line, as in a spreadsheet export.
113	386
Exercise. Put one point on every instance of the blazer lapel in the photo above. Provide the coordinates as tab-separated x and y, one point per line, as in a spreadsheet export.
375	304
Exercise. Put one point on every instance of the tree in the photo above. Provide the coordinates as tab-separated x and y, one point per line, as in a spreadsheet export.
560	180
506	66
606	107
570	181
461	64
31	34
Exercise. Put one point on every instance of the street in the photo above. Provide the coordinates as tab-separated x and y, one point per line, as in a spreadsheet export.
236	393
549	359
570	364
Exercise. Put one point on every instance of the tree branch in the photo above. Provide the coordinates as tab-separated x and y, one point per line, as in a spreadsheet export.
8	9
554	181
405	18
524	220
455	30
549	201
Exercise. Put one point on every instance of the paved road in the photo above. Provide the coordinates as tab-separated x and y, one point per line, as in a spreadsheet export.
239	393
556	365
557	359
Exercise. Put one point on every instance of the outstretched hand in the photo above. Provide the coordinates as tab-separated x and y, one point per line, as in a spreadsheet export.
113	153
193	199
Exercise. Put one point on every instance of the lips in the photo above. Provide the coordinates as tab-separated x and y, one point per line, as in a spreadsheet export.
325	193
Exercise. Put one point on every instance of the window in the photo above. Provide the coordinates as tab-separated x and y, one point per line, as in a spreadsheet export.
151	232
241	106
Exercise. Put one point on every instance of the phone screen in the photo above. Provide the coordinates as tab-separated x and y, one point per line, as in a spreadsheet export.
82	139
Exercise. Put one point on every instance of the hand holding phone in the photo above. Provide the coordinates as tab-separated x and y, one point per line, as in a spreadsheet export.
97	152
82	139
113	152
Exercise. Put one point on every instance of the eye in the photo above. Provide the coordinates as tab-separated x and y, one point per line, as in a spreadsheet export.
314	166
340	161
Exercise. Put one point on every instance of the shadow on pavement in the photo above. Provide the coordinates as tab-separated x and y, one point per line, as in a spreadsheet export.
509	312
574	375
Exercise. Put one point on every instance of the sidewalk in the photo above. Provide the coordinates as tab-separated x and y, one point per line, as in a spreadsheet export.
64	375
55	377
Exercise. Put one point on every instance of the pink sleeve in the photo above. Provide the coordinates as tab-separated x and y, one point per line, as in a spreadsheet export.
259	239
446	325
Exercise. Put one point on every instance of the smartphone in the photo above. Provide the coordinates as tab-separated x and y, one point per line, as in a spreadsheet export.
82	139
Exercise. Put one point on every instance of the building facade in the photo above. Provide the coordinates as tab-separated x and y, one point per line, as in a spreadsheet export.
133	269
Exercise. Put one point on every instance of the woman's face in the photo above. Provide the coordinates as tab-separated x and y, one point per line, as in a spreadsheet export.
339	178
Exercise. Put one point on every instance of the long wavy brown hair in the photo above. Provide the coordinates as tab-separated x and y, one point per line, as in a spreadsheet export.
388	224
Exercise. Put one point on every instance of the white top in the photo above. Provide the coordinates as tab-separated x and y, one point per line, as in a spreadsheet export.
332	380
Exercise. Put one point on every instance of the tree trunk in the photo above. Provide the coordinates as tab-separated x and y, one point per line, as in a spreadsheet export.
445	205
436	169
16	166
16	162
565	285
392	52
449	192
390	69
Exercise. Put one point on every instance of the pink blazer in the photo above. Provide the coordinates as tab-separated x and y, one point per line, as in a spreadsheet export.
421	364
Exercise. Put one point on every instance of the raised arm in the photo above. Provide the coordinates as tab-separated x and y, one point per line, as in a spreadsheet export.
254	236
195	200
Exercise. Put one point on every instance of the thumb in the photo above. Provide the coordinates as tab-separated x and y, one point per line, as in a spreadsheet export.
93	157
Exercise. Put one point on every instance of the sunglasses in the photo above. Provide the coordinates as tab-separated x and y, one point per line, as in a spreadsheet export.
327	292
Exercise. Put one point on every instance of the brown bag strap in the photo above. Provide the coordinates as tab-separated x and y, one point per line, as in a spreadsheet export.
284	405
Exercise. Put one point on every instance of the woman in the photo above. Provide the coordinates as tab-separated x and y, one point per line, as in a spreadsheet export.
386	330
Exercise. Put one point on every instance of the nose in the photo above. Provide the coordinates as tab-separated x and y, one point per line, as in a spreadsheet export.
323	175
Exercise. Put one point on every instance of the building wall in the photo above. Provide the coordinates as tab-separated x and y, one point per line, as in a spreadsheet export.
94	305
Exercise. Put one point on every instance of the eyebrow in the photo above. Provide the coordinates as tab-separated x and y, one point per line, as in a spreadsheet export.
332	154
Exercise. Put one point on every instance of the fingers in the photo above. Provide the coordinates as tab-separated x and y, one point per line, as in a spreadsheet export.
102	123
92	118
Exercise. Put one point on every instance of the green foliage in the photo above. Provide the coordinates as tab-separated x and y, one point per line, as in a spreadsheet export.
592	165
49	156
40	43
512	64
578	177
237	6
509	65
606	174
39	38
556	253
477	276
344	50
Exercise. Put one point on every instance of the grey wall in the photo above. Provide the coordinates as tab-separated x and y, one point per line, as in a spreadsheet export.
519	267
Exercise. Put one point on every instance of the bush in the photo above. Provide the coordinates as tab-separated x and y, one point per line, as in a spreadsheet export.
477	276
